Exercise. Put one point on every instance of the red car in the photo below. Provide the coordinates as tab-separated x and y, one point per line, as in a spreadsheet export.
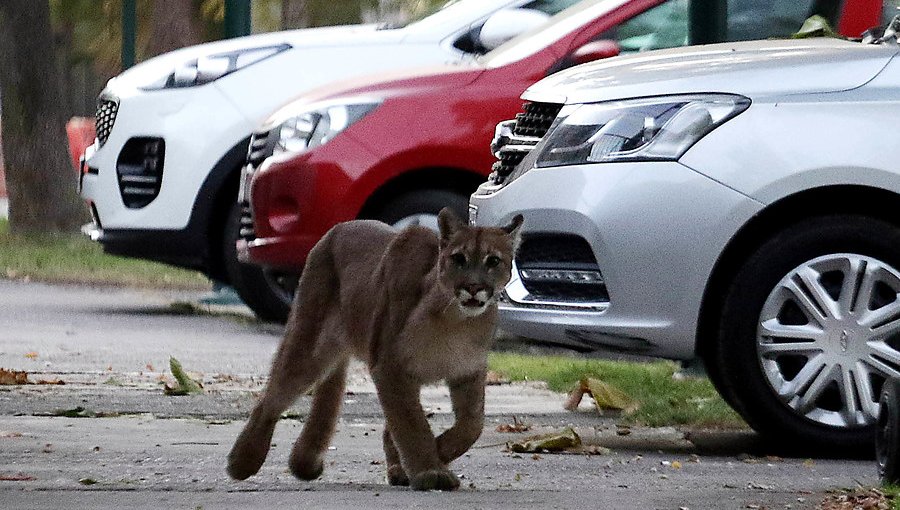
399	148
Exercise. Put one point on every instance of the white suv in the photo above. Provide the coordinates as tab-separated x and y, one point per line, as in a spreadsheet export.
173	132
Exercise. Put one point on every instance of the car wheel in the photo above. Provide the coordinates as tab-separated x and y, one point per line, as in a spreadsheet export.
810	331
267	292
422	208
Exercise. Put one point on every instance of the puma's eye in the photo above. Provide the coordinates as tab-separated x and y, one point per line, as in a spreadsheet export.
492	261
458	259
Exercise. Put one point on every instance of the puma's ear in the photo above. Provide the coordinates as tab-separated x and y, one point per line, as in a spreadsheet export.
514	230
449	223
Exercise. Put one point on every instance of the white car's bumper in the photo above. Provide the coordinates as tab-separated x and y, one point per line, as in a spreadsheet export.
655	231
197	127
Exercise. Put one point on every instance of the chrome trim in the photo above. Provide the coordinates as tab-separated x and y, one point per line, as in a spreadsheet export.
517	295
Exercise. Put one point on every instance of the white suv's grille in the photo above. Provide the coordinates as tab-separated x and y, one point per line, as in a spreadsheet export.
105	118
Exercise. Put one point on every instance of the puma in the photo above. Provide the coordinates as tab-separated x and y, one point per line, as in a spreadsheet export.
418	308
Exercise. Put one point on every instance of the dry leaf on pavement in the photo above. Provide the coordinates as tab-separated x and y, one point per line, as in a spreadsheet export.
12	377
554	442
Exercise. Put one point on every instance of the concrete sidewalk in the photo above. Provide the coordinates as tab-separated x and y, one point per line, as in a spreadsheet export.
4	207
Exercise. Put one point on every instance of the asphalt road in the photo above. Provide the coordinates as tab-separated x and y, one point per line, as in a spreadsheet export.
144	449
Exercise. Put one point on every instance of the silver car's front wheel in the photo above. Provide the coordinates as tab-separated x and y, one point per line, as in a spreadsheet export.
828	336
808	331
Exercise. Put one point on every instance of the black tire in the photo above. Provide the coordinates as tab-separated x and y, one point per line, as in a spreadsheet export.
267	292
429	202
887	438
738	370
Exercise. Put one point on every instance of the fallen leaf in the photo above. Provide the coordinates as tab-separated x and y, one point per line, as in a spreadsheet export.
87	481
17	478
9	434
184	385
55	382
555	442
515	427
76	412
31	355
605	396
494	379
676	464
150	367
12	377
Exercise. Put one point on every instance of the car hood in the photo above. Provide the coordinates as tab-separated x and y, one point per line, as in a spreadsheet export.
304	39
754	69
381	87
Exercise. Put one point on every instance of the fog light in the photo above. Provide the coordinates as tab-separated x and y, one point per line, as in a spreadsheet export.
562	276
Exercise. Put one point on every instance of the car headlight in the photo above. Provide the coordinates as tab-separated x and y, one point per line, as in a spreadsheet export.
651	129
208	68
318	125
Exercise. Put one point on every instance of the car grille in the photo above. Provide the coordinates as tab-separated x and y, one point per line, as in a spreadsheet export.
262	145
513	140
560	268
105	118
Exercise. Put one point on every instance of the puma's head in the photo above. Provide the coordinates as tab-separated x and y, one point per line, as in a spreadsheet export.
475	262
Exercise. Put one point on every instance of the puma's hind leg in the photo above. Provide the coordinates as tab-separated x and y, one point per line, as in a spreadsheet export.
302	359
309	449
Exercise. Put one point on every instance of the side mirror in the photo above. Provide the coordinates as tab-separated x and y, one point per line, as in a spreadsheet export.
596	50
505	24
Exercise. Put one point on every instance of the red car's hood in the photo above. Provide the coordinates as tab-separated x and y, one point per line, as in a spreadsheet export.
379	87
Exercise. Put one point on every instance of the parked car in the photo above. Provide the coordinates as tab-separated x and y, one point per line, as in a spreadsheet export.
400	148
172	132
736	202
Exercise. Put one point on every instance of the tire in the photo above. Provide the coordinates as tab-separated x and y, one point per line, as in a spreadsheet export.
753	363
267	292
887	439
422	208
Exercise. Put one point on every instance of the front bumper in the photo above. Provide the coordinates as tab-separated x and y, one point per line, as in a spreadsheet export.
197	127
656	231
295	199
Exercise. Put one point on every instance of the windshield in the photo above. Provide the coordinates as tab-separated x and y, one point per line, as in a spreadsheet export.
559	26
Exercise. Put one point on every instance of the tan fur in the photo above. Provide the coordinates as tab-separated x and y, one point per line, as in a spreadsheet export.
418	308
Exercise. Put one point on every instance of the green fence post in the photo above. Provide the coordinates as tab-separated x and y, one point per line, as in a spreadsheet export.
129	24
237	18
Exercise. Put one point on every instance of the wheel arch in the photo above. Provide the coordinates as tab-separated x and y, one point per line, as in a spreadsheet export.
212	203
833	199
458	180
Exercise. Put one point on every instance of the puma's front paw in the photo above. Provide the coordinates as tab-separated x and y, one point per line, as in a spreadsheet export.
306	469
244	460
434	480
397	476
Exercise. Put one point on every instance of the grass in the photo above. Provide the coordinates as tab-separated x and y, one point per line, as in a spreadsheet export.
75	259
662	400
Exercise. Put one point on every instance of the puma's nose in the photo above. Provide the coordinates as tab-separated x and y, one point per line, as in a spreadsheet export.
478	291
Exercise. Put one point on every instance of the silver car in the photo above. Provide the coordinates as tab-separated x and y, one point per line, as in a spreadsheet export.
737	202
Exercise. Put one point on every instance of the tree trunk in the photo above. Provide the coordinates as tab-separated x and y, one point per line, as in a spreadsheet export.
39	177
175	24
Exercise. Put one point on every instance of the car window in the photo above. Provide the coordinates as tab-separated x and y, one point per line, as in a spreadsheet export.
550	7
762	19
663	26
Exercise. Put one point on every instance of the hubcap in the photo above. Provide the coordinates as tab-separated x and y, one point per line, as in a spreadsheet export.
829	336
